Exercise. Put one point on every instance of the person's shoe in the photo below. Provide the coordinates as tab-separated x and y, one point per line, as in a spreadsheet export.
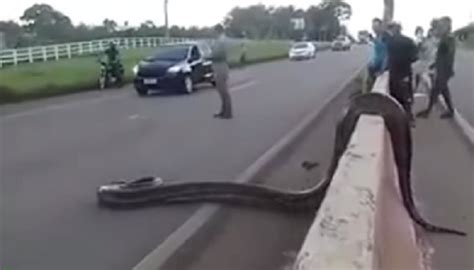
447	115
227	116
223	116
423	114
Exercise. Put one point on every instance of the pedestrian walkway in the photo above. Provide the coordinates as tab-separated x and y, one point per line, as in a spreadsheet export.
443	180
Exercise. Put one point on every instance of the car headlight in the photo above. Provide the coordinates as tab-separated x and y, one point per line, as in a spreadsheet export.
135	69
175	69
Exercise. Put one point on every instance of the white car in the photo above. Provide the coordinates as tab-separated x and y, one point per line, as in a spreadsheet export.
302	50
341	43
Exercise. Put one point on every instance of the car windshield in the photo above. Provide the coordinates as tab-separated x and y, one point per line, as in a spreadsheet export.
341	38
300	46
170	53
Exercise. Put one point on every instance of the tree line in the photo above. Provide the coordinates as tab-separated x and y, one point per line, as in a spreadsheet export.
41	24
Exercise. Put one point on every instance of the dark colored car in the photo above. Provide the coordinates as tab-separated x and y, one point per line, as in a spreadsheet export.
177	67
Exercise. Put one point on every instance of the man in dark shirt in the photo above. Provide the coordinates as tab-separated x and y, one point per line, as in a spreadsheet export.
444	69
402	52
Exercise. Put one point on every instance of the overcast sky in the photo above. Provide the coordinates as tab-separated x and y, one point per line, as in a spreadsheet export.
209	12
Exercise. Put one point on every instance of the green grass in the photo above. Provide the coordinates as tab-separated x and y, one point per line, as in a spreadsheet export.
45	79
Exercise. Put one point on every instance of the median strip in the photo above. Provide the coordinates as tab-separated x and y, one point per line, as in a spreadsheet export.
362	223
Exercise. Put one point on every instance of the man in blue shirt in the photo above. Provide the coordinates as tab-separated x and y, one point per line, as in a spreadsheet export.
378	61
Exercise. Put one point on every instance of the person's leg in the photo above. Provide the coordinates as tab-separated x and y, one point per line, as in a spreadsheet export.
417	80
408	98
435	91
226	98
447	98
369	80
221	77
400	89
219	80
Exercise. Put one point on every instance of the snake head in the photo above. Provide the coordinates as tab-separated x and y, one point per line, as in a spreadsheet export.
148	181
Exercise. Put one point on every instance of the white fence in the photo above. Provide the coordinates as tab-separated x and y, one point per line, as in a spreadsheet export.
69	50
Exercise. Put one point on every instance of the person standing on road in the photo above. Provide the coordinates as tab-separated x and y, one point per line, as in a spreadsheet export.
243	54
444	69
402	53
221	73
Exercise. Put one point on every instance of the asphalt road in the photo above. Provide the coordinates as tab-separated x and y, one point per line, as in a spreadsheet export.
443	183
56	152
462	85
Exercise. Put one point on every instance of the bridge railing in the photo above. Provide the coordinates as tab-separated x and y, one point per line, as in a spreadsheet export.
362	223
75	49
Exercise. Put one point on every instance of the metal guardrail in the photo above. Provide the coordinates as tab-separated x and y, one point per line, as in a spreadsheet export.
69	50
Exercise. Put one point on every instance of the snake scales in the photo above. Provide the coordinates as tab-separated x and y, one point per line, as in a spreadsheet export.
147	191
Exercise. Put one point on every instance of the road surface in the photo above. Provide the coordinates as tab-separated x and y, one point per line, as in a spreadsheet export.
462	85
443	180
56	152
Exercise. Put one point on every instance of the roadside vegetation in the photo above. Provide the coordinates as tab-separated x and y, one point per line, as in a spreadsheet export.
46	79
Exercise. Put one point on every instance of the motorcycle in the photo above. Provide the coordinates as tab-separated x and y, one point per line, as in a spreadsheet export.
110	74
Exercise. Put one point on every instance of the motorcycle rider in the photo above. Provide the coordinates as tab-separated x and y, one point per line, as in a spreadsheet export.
113	59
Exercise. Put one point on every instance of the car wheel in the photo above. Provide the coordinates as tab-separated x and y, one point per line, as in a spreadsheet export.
142	91
188	84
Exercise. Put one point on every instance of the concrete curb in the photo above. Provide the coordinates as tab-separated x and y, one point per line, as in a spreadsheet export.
462	123
362	223
158	257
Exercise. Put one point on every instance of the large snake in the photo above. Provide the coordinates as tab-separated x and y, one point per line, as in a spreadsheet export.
149	190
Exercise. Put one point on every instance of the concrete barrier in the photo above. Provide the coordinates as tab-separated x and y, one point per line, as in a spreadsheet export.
362	223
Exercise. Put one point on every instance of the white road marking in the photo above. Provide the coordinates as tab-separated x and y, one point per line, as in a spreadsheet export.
133	117
242	86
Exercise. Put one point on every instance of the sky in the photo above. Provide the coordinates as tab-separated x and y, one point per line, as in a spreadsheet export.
209	12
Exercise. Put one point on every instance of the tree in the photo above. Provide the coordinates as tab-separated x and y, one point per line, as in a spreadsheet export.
109	25
46	23
147	28
342	10
12	33
253	21
258	21
322	24
281	16
389	9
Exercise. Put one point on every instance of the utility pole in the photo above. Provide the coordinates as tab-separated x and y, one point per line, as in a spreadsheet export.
388	11
167	29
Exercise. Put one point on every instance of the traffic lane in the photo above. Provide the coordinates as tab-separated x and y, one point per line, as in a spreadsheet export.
462	85
54	161
76	101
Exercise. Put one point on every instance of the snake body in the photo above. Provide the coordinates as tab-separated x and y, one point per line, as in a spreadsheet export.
146	191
